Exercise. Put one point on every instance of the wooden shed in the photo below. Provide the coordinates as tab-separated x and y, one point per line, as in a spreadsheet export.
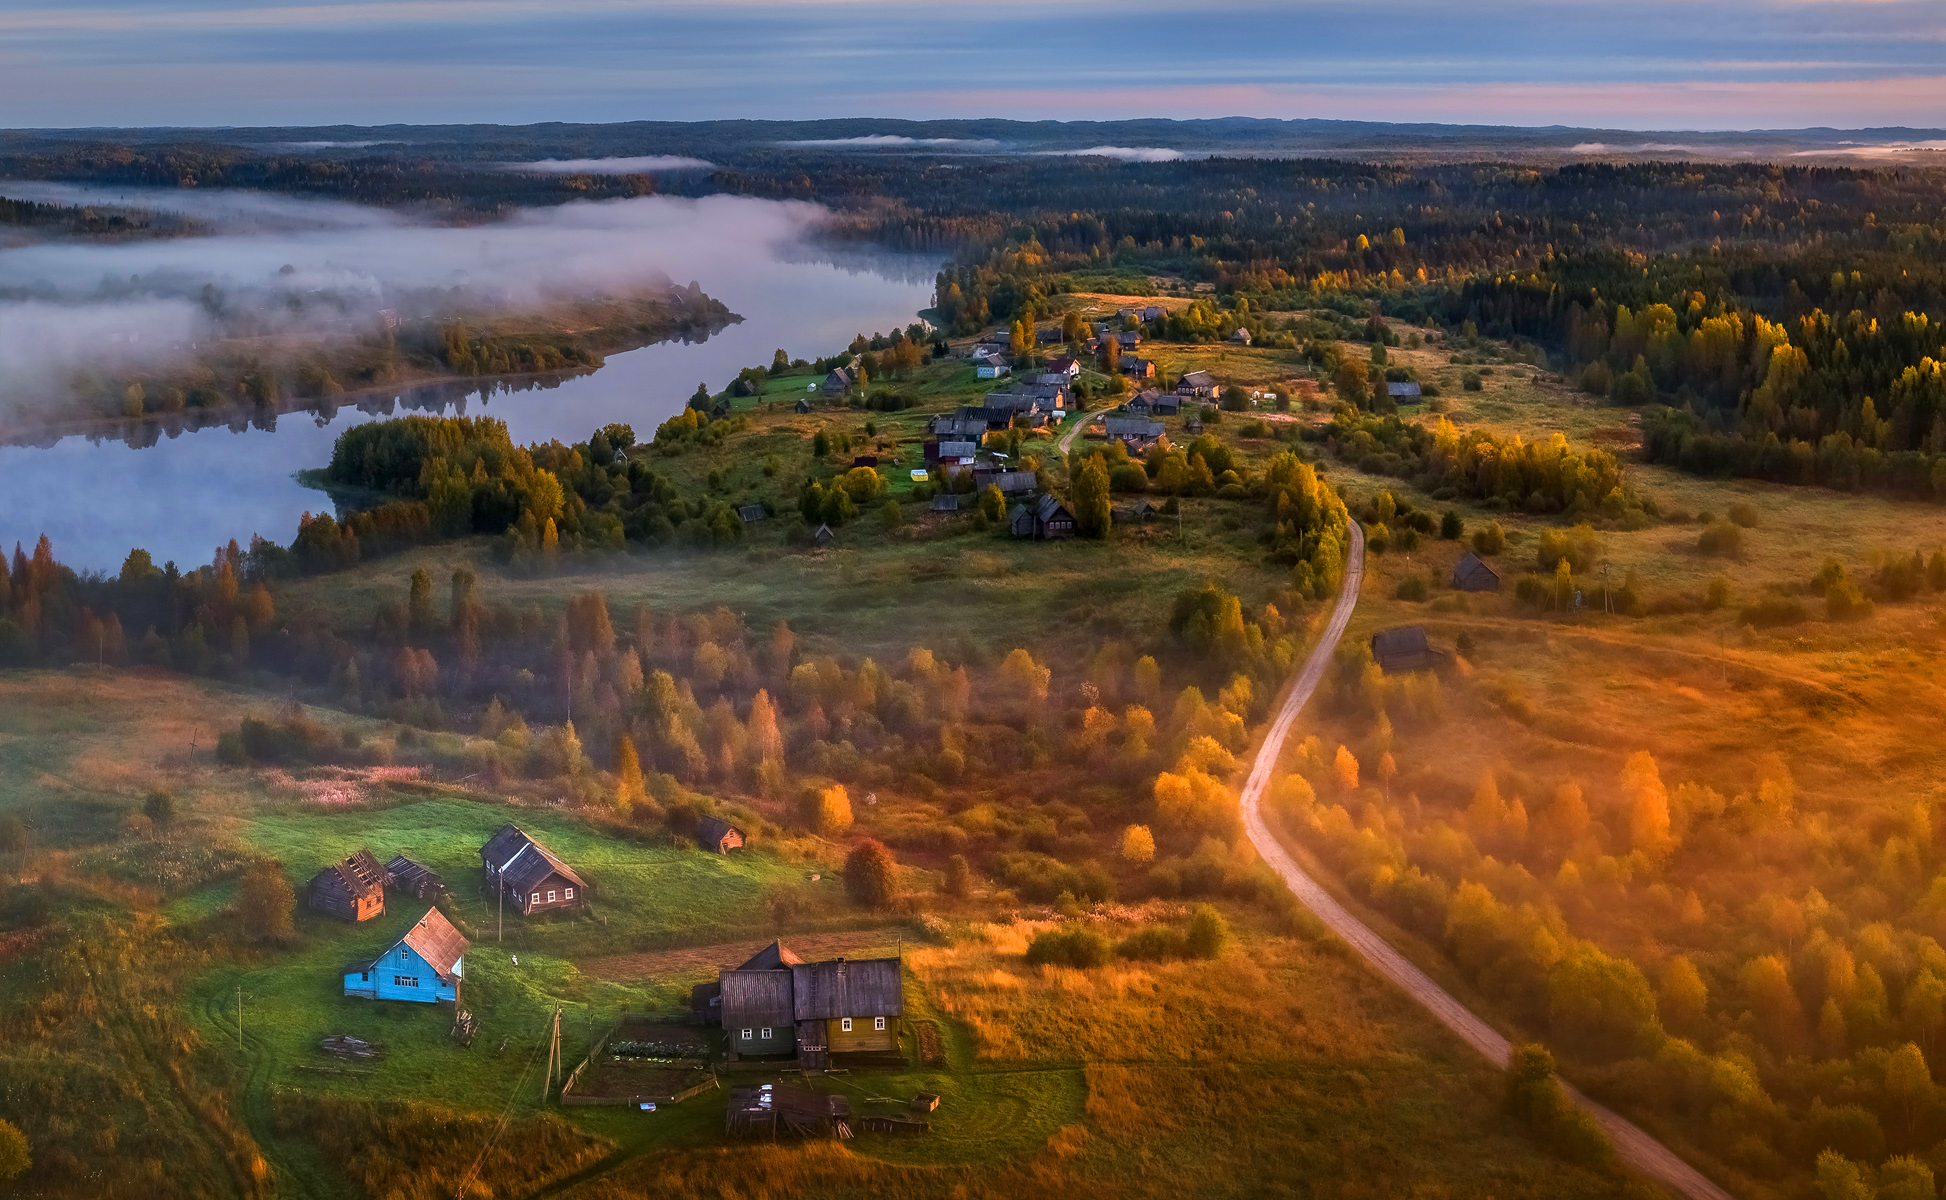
714	833
414	879
1402	649
1472	575
352	890
528	874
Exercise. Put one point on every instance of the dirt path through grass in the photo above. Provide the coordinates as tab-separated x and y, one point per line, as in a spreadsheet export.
811	947
1637	1149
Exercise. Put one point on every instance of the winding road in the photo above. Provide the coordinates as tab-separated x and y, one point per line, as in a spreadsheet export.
1636	1149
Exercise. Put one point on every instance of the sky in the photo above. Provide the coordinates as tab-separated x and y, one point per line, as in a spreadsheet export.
1643	64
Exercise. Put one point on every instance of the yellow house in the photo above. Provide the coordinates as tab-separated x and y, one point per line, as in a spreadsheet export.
846	1007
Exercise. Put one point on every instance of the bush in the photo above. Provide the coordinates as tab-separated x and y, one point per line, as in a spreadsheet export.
1208	933
1717	595
159	807
1744	513
1413	588
1489	539
1072	947
1721	538
1774	610
1451	527
1535	1098
1158	943
1471	381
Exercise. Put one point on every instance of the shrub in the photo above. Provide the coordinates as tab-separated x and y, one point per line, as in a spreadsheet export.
14	1159
1717	595
1489	539
1844	602
1579	547
1208	933
959	877
1535	1097
1471	381
1072	947
1722	538
1774	610
13	834
1413	588
1451	527
159	807
871	876
1744	514
1158	943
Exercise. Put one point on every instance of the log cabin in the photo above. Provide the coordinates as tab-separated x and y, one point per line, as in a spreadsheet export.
528	875
351	890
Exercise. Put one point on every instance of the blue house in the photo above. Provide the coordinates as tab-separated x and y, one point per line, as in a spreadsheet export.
424	965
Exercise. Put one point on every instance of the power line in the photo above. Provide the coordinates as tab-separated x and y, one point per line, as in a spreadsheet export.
506	1114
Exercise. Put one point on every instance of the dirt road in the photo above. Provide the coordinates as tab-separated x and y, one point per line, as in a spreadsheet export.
1636	1148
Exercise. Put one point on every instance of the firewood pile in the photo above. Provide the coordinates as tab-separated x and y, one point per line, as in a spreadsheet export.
343	1045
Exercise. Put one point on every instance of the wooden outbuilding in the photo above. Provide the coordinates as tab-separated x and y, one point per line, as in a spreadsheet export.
1473	575
838	382
351	890
714	833
1403	649
415	880
823	535
750	514
528	875
802	406
424	966
1403	393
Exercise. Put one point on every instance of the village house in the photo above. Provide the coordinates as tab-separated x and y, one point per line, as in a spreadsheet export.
775	1003
1472	575
424	966
1403	649
1152	403
717	835
1154	312
991	367
415	880
838	382
1050	336
1403	393
945	502
1128	339
1196	385
1065	364
527	874
802	406
1138	434
823	535
351	890
1241	337
1046	519
750	514
1138	368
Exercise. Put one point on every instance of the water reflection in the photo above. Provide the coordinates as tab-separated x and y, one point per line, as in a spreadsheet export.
181	486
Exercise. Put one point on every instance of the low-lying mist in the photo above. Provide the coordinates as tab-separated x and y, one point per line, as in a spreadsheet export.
277	265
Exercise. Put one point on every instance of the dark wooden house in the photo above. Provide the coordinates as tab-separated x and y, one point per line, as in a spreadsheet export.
714	833
1046	519
528	875
1472	575
838	382
1402	649
755	1006
413	879
352	890
846	1007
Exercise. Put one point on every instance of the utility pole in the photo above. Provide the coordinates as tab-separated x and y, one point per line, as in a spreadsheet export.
553	1056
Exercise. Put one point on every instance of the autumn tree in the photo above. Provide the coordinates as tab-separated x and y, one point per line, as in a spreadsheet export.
14	1158
1092	513
264	902
1344	768
828	810
958	878
419	602
1138	844
871	877
629	788
1648	807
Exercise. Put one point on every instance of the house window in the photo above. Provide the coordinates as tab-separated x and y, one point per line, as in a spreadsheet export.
878	1022
570	894
364	976
405	981
766	1033
401	953
845	1024
550	895
537	898
746	1035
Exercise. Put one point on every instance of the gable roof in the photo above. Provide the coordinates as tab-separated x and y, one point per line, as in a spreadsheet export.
1051	507
517	859
359	875
1403	640
1470	569
1402	389
1201	379
870	987
773	957
1132	427
434	939
710	830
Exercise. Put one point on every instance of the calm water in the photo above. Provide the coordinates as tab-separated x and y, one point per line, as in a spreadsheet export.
185	495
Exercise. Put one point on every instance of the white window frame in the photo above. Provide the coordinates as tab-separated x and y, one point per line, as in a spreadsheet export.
844	1024
550	895
536	899
766	1033
402	953
569	895
746	1035
878	1022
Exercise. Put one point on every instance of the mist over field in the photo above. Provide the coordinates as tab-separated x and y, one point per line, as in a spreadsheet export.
283	266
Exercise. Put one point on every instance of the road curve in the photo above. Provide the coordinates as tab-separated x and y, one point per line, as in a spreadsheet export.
1635	1148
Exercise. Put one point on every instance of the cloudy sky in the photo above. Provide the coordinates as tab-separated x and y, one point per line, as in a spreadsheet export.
1644	64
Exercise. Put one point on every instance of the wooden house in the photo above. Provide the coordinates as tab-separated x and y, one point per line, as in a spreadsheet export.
1241	337
838	382
802	406
990	368
1196	385
352	890
1472	575
1128	340
1402	649
845	1007
714	833
423	966
413	879
528	875
1154	312
755	1003
945	502
1064	364
1138	368
1403	393
823	535
1046	519
750	514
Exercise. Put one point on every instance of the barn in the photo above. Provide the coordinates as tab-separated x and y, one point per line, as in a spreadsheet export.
424	966
351	890
1472	575
414	879
714	833
1402	649
531	879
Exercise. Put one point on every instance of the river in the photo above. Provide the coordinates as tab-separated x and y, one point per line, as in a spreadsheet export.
185	495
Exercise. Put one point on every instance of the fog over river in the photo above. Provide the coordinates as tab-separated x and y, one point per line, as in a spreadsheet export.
190	492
